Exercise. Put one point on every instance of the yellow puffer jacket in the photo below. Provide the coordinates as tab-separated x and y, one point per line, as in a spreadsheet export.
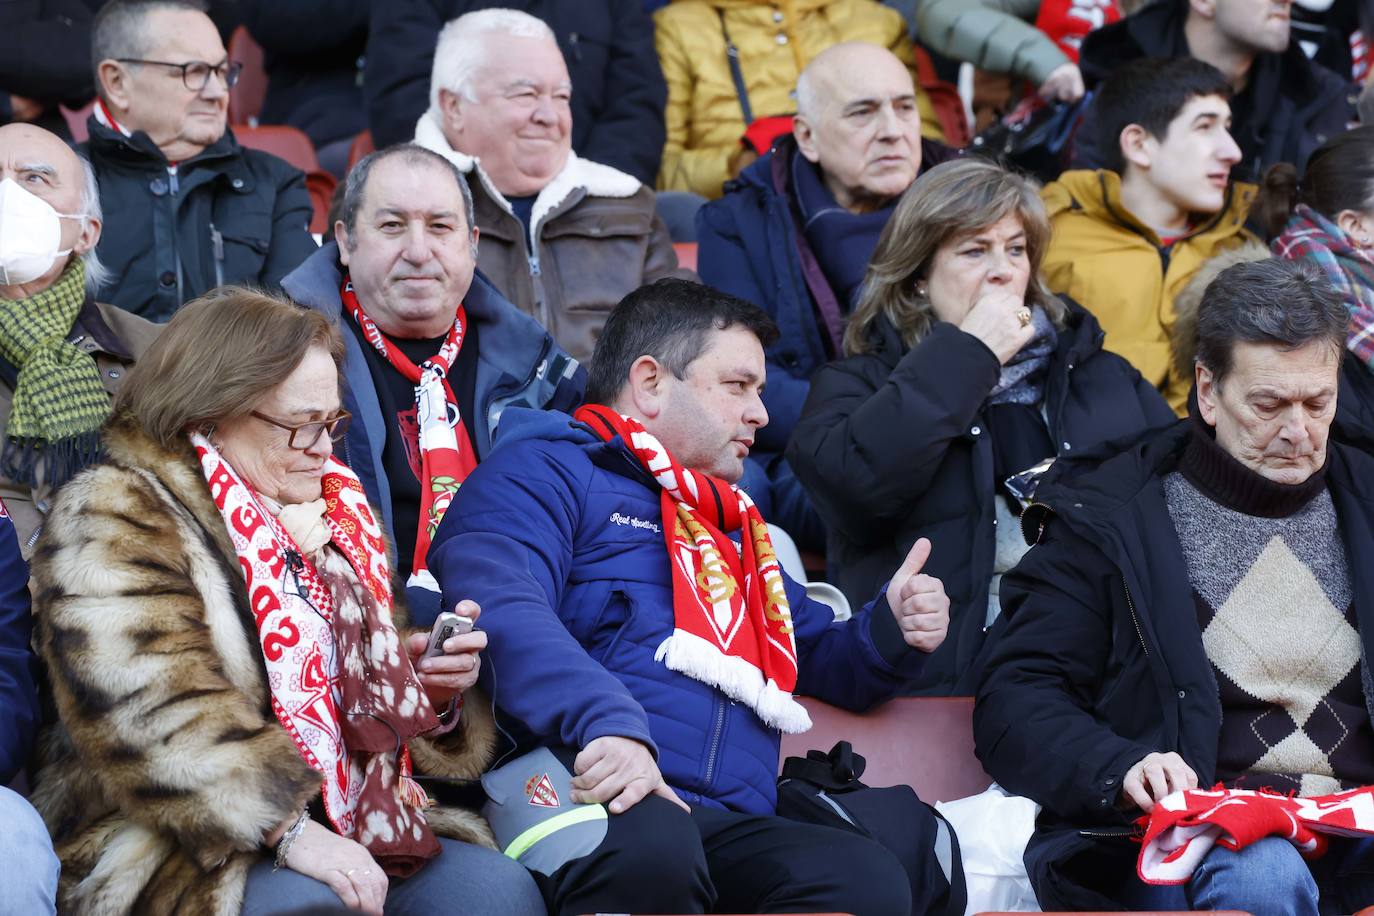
775	41
1113	265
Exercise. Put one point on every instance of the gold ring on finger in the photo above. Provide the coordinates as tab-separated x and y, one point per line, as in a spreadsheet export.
1023	315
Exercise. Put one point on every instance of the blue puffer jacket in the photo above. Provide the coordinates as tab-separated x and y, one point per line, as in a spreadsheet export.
18	696
558	536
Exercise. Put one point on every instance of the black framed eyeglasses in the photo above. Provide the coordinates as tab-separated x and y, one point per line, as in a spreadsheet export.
195	74
305	435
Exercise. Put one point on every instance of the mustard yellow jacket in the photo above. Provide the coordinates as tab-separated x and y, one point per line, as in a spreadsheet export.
775	41
1114	265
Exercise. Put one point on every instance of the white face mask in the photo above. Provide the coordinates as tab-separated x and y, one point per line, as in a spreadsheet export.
30	234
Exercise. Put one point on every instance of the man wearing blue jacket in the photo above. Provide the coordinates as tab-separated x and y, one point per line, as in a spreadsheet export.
30	885
629	624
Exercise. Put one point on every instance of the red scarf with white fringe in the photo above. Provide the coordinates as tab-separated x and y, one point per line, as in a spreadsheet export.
732	625
342	682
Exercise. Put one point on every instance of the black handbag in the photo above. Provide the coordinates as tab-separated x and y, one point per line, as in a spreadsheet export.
824	789
1036	137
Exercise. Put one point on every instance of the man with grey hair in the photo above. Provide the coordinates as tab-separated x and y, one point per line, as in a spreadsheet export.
433	352
62	354
793	234
1195	611
188	208
564	238
620	94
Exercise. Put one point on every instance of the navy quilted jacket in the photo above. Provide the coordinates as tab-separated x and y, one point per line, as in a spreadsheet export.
558	536
18	696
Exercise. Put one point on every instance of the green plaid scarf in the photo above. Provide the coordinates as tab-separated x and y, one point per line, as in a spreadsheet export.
59	402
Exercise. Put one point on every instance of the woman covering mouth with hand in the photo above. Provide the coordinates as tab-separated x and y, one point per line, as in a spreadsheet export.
963	375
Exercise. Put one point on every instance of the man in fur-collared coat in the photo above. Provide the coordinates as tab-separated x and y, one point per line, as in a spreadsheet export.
564	238
168	767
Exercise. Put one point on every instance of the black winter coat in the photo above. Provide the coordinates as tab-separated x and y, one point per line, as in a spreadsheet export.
1098	660
311	51
892	447
232	215
618	88
1295	105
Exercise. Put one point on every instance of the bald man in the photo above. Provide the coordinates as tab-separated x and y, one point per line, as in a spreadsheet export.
62	355
794	233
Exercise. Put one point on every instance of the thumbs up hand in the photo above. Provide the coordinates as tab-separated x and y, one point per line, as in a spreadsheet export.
918	601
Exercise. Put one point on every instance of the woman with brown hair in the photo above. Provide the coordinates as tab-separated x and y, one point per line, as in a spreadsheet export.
242	723
1327	218
963	375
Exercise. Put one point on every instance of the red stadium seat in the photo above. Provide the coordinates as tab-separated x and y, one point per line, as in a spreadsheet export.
76	120
360	147
247	95
295	147
922	742
686	254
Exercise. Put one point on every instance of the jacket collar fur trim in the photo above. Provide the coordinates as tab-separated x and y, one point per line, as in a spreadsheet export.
591	178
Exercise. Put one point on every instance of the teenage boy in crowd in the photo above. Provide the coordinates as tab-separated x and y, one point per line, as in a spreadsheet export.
1129	237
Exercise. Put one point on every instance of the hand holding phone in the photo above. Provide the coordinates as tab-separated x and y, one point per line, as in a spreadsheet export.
447	625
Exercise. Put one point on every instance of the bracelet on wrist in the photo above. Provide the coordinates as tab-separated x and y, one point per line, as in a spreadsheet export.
289	837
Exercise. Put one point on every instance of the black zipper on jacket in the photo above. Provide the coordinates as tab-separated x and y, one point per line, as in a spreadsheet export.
1134	619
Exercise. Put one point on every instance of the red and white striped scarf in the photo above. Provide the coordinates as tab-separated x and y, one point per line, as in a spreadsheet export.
342	683
446	453
1185	826
732	625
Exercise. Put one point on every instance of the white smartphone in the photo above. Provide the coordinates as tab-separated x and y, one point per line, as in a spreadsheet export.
448	624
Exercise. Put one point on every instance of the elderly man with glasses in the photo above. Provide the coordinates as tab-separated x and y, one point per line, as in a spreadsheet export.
187	208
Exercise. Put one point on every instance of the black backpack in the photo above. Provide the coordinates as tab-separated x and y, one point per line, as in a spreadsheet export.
824	789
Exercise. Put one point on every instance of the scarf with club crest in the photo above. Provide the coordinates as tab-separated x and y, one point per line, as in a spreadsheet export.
732	625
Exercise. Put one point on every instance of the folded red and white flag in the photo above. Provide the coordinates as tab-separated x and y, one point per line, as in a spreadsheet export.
1184	827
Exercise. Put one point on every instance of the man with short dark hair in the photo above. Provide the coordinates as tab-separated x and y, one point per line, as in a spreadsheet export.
433	353
187	208
1195	611
631	625
1128	237
1285	105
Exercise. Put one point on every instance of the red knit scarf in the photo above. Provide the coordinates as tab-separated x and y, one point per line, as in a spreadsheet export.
732	626
342	684
446	454
1184	827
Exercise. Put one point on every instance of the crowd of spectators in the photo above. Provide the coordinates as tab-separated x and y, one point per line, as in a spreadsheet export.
613	299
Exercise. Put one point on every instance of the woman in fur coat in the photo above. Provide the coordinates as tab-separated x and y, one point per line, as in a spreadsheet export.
241	723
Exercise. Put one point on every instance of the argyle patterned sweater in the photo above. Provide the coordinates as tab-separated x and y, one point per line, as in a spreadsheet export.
1272	592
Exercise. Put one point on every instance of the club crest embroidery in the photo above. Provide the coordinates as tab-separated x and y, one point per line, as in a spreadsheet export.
541	792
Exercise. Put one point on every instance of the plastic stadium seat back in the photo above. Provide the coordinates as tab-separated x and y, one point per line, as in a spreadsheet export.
686	254
247	95
295	147
360	147
76	120
922	742
288	143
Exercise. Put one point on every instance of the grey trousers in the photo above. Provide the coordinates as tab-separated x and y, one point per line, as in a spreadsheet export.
462	879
